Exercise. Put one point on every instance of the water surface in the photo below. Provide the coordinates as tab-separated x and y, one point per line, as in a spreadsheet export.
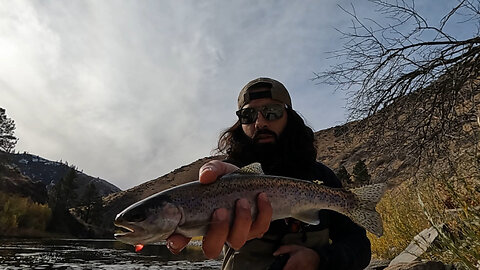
96	254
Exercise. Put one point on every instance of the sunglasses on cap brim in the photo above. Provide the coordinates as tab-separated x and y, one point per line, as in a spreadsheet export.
270	112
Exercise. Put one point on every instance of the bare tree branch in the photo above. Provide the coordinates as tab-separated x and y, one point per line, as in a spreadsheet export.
422	77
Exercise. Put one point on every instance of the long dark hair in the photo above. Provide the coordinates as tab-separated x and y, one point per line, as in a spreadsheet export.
293	155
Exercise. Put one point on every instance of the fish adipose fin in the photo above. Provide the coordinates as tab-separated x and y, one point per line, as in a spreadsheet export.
364	213
254	168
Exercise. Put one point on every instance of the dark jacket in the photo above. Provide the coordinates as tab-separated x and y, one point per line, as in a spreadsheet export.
340	243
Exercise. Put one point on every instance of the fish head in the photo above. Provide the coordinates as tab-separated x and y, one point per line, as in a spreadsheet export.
148	221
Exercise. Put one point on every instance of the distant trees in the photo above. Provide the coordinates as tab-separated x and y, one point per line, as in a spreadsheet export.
92	202
7	129
359	176
360	173
343	175
63	195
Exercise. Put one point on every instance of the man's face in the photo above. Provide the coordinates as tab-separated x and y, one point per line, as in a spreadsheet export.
261	130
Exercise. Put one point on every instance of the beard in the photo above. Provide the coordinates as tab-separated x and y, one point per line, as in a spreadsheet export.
259	133
269	154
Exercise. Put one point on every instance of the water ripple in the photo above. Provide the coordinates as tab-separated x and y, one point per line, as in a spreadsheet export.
97	254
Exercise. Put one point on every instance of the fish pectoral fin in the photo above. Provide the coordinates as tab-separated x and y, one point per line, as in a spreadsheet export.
254	168
309	216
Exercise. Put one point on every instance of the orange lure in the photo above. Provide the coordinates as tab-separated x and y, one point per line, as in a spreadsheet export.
138	247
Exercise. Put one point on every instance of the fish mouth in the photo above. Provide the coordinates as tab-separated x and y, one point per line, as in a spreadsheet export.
123	230
133	234
128	231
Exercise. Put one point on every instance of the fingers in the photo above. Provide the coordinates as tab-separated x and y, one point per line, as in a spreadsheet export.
242	229
300	257
217	234
264	216
176	243
211	170
241	226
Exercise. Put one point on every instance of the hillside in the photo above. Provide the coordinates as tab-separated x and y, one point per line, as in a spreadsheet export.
345	145
410	138
12	181
34	177
51	172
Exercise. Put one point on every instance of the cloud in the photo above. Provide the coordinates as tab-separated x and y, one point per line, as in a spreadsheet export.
129	91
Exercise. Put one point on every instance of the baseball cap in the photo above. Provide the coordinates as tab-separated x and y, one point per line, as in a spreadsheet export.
276	91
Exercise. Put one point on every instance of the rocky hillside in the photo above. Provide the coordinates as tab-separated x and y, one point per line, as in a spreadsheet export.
32	176
417	134
51	172
12	181
345	146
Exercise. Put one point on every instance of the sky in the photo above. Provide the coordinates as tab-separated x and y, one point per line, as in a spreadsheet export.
130	90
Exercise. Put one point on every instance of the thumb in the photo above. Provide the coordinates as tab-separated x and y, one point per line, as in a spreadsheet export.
211	170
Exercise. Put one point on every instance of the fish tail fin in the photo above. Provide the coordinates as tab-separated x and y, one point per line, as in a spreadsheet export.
364	213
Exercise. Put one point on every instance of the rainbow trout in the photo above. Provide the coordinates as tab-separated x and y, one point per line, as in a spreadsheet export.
187	209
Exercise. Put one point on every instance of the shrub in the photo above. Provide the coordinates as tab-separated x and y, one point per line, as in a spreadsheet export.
20	213
448	200
451	203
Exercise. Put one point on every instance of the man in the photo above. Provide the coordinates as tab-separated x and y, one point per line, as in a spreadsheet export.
269	131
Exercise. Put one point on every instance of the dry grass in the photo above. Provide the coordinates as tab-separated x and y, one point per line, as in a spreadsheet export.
402	219
449	200
454	201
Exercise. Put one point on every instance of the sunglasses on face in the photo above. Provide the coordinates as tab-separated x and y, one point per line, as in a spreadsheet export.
270	112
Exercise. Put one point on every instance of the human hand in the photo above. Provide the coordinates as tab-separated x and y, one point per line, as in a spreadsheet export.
219	231
300	257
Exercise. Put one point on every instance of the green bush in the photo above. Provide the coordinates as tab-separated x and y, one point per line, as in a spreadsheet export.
20	213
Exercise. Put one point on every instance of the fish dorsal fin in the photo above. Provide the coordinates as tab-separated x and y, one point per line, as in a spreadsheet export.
254	168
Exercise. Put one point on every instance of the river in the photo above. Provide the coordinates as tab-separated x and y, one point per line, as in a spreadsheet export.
96	254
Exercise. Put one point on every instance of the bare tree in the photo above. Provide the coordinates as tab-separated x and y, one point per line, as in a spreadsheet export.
422	77
383	61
